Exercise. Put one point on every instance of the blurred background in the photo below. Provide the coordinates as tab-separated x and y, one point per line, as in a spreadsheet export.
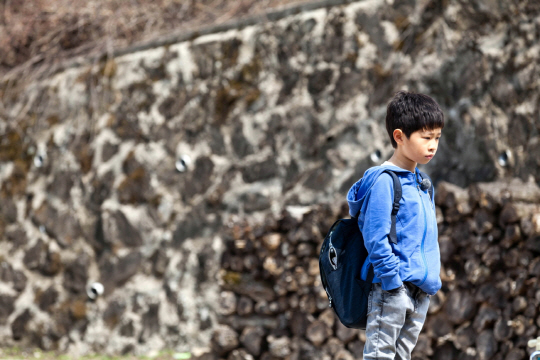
169	169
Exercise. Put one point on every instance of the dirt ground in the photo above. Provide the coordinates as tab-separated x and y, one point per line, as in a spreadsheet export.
36	33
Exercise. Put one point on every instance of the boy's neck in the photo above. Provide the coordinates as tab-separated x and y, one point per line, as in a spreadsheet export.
402	162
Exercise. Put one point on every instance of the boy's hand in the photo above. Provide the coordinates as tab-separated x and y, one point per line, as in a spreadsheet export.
396	290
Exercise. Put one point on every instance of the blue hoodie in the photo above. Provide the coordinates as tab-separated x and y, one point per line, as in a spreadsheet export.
416	257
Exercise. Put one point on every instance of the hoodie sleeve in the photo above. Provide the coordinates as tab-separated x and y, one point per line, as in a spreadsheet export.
376	219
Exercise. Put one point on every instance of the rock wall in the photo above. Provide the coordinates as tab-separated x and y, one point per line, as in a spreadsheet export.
273	305
125	171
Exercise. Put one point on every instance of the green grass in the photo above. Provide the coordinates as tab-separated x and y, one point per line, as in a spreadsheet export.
15	353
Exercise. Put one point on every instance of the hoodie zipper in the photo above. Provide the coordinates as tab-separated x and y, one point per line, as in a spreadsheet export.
423	238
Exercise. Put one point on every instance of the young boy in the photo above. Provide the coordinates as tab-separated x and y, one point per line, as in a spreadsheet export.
406	274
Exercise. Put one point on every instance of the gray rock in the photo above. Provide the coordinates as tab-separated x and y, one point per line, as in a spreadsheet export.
356	348
485	318
343	355
486	345
317	332
263	170
423	345
240	354
118	231
332	346
61	185
7	305
135	188
245	306
465	336
127	330
440	324
224	339
17	237
446	351
279	347
15	278
113	313
19	325
345	334
460	306
108	151
76	274
160	261
227	303
150	322
62	226
47	299
516	354
252	339
8	213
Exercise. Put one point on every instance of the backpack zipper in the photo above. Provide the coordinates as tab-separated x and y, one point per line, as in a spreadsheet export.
423	237
332	252
332	256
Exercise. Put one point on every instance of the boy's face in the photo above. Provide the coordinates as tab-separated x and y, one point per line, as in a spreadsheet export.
421	146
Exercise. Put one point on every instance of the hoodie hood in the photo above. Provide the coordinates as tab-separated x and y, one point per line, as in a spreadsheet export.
357	193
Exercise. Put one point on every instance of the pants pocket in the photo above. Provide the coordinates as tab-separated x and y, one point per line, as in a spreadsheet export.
370	300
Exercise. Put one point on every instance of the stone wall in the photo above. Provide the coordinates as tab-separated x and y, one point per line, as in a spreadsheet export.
126	170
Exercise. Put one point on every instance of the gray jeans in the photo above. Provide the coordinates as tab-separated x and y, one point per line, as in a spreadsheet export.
394	321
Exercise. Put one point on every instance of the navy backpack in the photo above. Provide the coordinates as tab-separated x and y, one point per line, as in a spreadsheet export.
340	263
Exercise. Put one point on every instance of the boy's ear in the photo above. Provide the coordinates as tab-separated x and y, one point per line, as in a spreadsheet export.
398	136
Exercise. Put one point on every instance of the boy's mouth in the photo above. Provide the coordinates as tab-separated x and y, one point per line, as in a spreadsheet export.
429	156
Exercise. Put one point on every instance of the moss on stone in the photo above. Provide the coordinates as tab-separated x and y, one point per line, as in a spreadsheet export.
84	154
128	190
15	184
77	309
2	229
225	100
230	50
351	57
157	73
53	120
380	72
143	93
252	96
242	86
13	147
136	188
232	278
250	72
108	68
402	22
84	76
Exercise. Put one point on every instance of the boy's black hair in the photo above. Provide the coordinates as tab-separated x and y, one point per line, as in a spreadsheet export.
411	112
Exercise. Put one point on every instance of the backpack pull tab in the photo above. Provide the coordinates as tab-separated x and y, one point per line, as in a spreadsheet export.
329	298
332	256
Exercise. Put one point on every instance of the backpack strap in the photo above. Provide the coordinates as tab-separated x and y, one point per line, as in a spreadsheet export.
395	206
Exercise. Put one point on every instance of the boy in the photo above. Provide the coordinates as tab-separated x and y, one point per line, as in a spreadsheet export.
406	274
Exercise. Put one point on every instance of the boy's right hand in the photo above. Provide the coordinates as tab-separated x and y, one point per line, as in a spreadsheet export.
396	290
